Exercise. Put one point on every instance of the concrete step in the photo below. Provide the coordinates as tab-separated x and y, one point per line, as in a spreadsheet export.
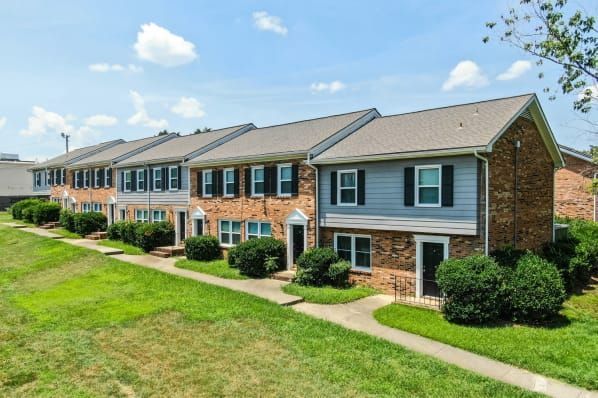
285	276
100	234
92	237
158	253
55	223
47	226
171	250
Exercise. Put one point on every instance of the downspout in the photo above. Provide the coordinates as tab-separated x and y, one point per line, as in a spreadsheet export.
317	206
486	200
149	191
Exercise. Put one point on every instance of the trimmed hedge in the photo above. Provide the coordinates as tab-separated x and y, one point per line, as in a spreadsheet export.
45	212
86	223
67	220
17	209
128	232
314	268
114	230
152	235
508	256
259	257
338	273
202	248
231	256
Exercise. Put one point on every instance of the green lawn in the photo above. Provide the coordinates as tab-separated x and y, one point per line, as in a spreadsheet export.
327	294
125	247
65	233
567	350
218	268
6	217
77	323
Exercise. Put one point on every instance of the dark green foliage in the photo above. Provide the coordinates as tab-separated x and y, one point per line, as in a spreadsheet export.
338	273
313	266
16	210
114	230
128	232
231	256
67	220
536	290
86	223
252	256
152	235
45	212
474	289
202	248
507	256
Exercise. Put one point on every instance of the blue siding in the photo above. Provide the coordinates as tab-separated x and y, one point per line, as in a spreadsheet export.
179	197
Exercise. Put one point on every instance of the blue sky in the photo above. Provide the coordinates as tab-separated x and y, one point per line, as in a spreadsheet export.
115	69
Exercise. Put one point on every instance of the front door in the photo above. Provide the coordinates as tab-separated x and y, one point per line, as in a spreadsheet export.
433	254
110	214
182	226
298	241
198	226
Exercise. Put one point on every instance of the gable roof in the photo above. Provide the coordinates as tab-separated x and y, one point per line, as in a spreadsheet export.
296	138
179	148
121	150
76	154
576	153
448	130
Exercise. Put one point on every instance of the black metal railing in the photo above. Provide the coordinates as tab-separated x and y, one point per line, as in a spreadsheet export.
417	291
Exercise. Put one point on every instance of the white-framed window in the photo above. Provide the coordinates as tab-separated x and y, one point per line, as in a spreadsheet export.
157	179
257	181
128	182
173	172
141	215
258	229
122	214
347	188
85	207
97	207
55	178
107	172
86	179
356	249
208	183
76	177
140	179
158	215
285	179
38	179
229	182
96	174
427	185
230	232
48	179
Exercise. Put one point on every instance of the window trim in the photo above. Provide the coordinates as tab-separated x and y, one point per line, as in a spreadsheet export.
154	179
96	178
170	188
142	220
417	186
140	172
86	178
106	177
162	213
338	187
259	228
125	174
230	233
279	180
93	207
253	194
204	184
353	251
86	207
225	183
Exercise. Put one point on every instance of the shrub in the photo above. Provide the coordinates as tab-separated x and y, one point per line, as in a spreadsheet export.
45	212
507	256
231	256
86	223
151	235
474	289
16	210
67	220
338	273
128	232
536	290
28	213
114	230
313	266
560	254
252	256
202	248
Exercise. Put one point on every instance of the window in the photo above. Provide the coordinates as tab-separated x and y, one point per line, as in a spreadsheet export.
355	249
48	179
85	207
140	180
38	178
97	207
55	180
128	183
347	187
207	183
285	179
230	232
157	179
96	174
257	181
122	214
86	179
198	227
427	186
141	215
158	215
258	229
107	172
174	178
229	182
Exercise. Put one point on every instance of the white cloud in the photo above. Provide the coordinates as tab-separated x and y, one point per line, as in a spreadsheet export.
188	107
265	21
465	74
42	121
101	120
141	117
331	87
105	67
516	69
2	122
158	45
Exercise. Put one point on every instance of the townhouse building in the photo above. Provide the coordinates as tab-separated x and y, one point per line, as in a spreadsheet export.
574	196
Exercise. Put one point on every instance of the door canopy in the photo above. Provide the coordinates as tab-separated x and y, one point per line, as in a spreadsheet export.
297	217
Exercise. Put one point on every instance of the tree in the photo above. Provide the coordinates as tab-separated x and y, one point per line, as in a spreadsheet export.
163	132
551	31
204	130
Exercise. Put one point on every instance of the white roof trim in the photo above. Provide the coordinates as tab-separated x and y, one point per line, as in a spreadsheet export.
198	213
576	155
297	217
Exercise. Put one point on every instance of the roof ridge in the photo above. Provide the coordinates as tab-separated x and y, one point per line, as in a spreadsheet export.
217	130
316	118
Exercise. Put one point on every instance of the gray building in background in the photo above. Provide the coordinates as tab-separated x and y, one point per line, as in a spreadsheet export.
15	180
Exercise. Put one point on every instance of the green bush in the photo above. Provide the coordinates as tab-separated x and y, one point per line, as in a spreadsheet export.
67	220
28	214
561	254
231	256
86	223
114	230
16	210
202	248
259	257
128	232
152	235
508	256
338	273
474	289
536	290
45	212
313	266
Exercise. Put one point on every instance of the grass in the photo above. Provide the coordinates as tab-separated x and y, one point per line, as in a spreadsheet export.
7	217
65	233
566	350
125	247
328	294
77	323
218	268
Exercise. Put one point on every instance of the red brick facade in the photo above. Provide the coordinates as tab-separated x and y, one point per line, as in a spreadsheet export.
573	197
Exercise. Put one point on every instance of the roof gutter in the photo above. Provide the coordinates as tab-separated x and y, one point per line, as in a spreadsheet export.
486	200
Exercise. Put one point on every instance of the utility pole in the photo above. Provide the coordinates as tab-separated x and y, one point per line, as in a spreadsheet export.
66	137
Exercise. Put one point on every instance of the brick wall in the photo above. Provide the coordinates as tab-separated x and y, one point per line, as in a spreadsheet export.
90	195
532	224
573	197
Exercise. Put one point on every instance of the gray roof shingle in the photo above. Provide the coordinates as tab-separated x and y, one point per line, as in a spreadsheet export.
453	127
66	158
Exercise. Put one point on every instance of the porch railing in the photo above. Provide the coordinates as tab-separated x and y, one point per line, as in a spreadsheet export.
416	291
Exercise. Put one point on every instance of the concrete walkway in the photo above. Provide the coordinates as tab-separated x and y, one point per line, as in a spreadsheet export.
358	315
42	232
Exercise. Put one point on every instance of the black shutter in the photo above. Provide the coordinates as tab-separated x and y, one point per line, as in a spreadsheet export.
180	177
51	177
273	181
145	173
409	186
247	176
109	177
134	181
295	180
447	185
199	183
122	181
102	178
237	185
267	179
219	182
360	187
80	179
63	176
333	187
150	184
165	179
